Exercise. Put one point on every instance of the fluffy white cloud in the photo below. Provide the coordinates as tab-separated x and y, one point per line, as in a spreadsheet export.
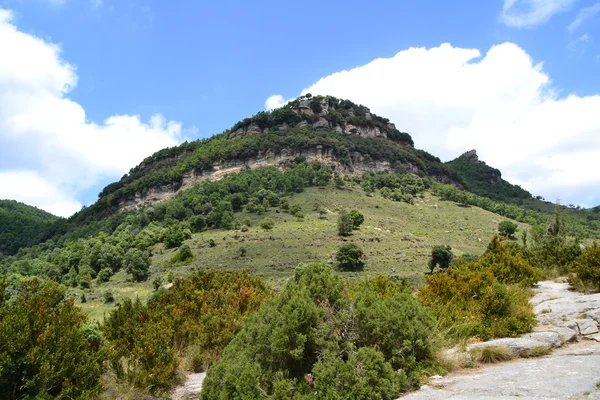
529	13
275	101
452	100
584	14
45	139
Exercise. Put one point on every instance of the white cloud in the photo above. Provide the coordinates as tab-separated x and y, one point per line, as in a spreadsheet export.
530	13
47	135
31	188
584	14
275	101
97	3
452	100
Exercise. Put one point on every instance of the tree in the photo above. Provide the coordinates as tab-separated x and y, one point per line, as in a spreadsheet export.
357	218
344	223
44	352
267	224
507	228
441	256
350	256
137	263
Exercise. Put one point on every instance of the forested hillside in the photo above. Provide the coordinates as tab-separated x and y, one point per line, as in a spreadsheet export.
21	225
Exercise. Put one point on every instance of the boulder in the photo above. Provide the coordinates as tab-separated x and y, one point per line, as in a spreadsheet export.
551	338
515	345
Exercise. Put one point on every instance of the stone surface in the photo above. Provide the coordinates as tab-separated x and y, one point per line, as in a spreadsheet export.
515	345
583	326
594	314
550	338
562	375
567	335
190	389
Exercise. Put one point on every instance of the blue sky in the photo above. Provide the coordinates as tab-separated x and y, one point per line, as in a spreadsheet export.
205	65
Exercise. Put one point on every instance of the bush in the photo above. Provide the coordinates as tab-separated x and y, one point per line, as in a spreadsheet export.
344	223
104	275
357	218
198	316
350	256
586	276
267	224
184	255
137	263
507	228
108	297
44	349
322	338
468	301
441	256
506	262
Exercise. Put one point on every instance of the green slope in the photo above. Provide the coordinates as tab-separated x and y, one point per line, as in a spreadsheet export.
21	225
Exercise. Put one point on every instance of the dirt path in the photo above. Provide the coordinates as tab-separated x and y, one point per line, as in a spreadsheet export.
190	389
570	372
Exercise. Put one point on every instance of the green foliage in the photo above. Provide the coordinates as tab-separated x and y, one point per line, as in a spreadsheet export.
104	275
202	313
183	255
137	263
108	297
174	235
22	225
469	300
46	351
267	224
507	228
344	223
350	256
441	256
396	187
357	218
322	339
505	259
586	270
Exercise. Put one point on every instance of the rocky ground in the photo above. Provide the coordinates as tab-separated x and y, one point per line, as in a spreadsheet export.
568	322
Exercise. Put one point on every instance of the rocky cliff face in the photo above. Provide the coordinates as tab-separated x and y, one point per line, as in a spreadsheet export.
320	112
358	163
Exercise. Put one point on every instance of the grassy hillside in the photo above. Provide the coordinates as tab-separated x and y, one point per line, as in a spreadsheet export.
21	225
397	238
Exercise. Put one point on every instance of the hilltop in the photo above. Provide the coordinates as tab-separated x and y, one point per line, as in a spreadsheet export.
22	225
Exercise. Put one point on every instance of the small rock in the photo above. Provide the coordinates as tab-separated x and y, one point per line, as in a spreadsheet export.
583	326
567	335
595	315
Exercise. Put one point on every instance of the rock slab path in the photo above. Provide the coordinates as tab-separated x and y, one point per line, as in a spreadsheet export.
571	372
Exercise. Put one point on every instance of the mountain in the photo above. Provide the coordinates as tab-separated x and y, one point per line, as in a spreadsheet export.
22	225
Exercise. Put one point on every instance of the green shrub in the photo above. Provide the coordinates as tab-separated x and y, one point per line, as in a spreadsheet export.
357	218
350	256
441	256
184	255
468	301
586	268
198	316
506	261
137	263
108	297
267	224
344	223
45	351
104	275
323	339
507	228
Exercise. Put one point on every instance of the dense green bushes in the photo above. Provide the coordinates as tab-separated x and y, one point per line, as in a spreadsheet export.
323	339
194	320
485	298
46	348
21	226
586	270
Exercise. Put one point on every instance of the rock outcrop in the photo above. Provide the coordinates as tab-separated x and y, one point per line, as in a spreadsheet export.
319	113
